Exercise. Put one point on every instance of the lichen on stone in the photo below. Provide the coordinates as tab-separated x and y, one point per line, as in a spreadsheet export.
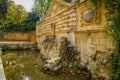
57	53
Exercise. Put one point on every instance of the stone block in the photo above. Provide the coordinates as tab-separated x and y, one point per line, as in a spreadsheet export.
110	42
95	41
102	35
103	41
93	35
101	48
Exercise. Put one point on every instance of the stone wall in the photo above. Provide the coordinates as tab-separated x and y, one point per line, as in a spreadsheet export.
96	50
31	37
86	30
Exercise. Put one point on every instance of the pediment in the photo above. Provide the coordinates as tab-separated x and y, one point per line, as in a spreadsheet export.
55	7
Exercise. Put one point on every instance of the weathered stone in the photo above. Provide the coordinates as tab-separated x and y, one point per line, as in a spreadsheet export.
95	41
101	48
17	45
57	53
101	35
88	15
103	41
99	67
93	50
110	43
74	2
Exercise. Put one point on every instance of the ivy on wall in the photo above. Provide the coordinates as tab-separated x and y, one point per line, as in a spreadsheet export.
114	30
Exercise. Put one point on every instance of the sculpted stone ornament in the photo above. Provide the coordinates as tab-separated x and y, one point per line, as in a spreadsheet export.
88	15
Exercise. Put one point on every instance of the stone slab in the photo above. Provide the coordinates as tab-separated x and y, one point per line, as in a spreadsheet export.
2	74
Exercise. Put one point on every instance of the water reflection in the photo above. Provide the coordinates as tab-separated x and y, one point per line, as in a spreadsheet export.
18	64
25	65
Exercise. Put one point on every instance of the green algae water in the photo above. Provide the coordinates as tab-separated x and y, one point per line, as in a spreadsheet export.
25	65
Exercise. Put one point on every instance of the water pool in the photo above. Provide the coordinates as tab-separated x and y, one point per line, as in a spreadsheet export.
25	65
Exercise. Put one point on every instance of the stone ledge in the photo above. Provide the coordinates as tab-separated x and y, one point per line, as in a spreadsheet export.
18	45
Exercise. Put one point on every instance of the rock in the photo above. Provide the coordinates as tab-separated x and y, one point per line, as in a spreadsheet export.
57	53
99	67
88	15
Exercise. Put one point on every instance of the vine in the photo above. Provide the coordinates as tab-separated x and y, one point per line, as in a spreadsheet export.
113	15
114	30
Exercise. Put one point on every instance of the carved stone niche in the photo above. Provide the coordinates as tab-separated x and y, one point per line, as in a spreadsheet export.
88	15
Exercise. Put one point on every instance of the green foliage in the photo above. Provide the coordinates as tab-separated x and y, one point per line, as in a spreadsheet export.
16	18
116	63
16	14
31	20
40	6
114	30
3	9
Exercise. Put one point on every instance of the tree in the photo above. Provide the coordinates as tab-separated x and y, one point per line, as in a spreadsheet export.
3	9
15	17
31	21
40	6
16	14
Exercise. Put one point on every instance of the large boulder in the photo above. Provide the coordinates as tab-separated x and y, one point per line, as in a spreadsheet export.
56	53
